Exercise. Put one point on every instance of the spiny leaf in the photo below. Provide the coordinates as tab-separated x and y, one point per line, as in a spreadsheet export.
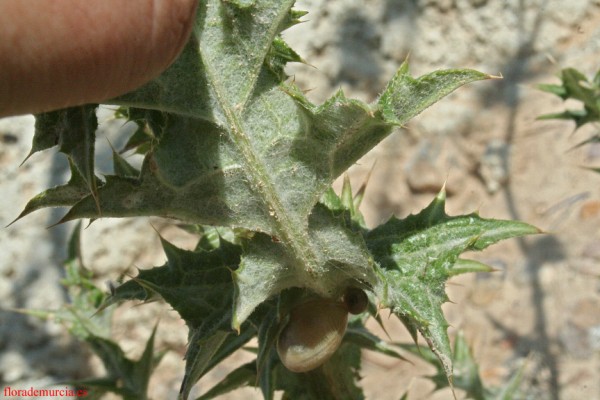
84	297
334	380
267	269
418	254
197	284
125	377
404	97
279	55
74	131
202	349
150	125
511	389
359	335
226	143
557	90
239	151
65	195
268	332
466	372
122	167
575	85
244	375
462	266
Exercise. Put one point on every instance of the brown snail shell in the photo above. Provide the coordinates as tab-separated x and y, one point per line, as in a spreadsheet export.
356	300
315	330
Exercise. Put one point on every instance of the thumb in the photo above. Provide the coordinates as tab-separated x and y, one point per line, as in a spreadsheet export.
63	53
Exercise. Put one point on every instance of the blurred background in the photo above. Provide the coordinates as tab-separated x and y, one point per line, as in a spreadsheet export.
541	305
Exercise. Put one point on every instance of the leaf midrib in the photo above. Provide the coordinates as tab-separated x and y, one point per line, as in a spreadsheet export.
292	232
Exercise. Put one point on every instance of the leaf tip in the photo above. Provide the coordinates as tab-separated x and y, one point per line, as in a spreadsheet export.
441	196
21	215
235	324
26	158
59	222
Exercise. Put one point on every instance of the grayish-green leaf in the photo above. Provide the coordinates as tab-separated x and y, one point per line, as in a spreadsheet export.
197	284
228	144
244	375
239	151
74	131
418	254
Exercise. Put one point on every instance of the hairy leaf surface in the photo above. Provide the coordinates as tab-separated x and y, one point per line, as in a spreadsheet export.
418	254
228	143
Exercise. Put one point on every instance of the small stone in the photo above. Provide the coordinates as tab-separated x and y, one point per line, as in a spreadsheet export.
493	165
590	209
12	366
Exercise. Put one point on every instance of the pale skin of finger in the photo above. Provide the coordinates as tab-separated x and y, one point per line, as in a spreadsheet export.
61	53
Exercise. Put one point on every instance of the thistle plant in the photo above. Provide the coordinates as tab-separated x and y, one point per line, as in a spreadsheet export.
234	151
576	86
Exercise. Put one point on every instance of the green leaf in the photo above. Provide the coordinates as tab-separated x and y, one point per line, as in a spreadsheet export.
80	316
268	333
150	125
244	375
228	144
557	90
267	268
359	335
74	131
576	86
65	195
124	377
197	284
418	254
201	351
404	97
122	167
511	389
466	372
240	150
279	55
462	266
426	354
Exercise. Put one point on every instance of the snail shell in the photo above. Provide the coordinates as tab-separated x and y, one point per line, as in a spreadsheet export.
315	330
356	300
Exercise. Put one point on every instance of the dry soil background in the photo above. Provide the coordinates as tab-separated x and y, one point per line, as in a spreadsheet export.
542	305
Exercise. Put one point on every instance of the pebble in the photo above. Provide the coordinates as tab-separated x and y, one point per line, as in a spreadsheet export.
493	165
